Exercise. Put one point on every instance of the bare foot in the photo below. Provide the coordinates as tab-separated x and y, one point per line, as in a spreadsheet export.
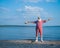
42	41
36	40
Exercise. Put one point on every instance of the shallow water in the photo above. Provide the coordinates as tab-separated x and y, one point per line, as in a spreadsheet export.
28	32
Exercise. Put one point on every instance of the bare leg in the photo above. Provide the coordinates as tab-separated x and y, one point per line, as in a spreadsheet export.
41	35
37	35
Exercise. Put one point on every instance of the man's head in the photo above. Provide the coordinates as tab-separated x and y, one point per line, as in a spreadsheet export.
38	18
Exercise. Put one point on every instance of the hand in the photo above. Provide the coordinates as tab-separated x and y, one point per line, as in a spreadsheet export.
26	22
49	19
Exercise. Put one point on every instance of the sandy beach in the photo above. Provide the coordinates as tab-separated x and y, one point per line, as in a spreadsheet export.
28	44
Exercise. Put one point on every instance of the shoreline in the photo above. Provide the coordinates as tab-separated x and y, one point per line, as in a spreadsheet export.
30	41
28	44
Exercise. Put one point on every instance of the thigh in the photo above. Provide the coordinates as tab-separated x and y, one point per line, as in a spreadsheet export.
40	30
37	30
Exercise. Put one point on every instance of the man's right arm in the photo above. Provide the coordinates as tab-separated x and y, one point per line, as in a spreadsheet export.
29	22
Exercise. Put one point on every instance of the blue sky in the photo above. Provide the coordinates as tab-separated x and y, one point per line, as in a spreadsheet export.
16	12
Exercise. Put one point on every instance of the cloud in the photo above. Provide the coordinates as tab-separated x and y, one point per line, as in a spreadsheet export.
4	12
33	8
19	9
17	1
31	11
36	1
9	20
5	9
51	0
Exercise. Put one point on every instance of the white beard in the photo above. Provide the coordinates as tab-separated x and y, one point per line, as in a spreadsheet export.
39	20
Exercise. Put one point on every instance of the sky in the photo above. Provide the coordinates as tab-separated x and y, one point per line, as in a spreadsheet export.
16	12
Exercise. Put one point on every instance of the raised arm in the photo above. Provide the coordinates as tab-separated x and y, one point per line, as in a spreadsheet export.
29	22
46	20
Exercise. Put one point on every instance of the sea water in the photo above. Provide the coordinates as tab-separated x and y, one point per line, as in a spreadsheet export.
28	32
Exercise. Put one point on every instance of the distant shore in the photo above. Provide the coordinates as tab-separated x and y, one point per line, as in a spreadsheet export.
28	44
24	26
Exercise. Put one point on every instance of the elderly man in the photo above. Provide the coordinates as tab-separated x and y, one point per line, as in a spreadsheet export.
39	22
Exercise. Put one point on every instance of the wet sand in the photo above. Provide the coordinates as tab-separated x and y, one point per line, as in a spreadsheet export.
28	44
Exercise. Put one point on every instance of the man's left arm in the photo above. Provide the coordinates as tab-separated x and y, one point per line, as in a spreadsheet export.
46	20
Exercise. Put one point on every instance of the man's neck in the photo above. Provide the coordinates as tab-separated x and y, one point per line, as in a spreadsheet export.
39	19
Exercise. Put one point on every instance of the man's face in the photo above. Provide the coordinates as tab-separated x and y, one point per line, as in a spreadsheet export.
38	18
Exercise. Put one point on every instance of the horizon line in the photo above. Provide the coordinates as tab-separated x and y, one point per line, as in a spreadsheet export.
22	25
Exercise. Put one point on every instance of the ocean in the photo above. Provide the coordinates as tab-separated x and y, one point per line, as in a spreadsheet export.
28	32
